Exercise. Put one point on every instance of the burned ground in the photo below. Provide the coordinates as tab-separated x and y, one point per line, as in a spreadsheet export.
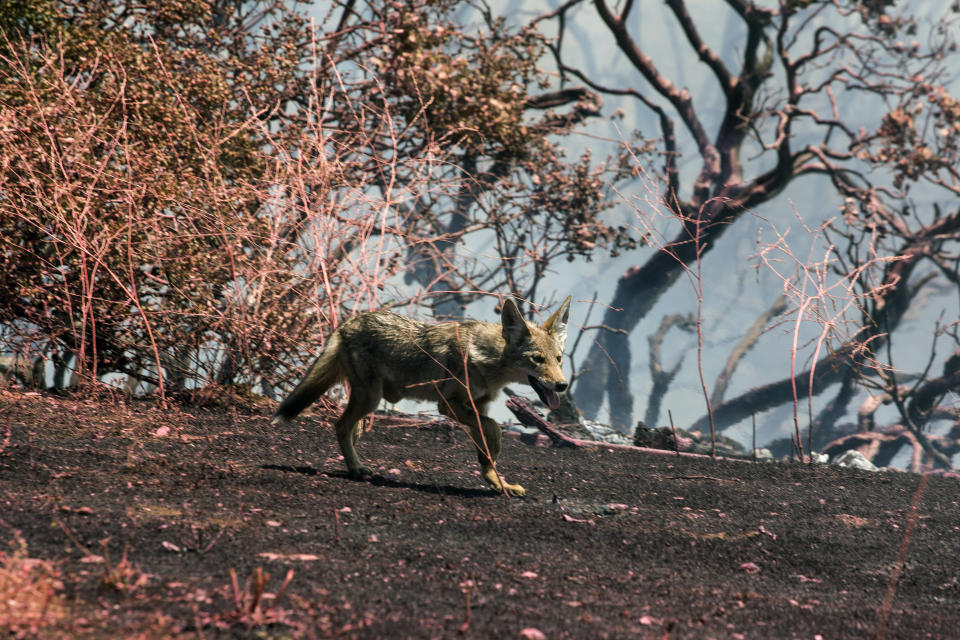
129	520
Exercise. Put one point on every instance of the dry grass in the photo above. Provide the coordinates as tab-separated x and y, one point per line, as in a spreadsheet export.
31	600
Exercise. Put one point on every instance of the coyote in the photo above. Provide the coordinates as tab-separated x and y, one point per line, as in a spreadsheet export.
459	365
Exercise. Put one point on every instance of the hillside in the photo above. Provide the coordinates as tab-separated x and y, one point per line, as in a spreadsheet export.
129	520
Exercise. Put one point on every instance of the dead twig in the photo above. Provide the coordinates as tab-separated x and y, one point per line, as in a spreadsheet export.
901	557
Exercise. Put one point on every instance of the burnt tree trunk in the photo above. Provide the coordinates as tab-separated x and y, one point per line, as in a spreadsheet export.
606	368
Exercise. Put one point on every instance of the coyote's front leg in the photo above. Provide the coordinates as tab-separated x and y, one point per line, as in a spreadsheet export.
486	436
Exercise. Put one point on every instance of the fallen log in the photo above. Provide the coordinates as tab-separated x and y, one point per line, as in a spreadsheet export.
528	415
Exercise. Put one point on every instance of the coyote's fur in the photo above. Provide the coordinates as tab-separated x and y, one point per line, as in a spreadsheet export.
459	365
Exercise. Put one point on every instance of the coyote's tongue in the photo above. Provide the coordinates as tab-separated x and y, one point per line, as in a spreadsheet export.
549	396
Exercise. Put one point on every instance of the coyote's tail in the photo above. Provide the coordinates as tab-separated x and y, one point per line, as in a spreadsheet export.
322	374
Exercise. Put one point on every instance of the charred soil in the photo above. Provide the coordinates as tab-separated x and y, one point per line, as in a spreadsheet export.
123	520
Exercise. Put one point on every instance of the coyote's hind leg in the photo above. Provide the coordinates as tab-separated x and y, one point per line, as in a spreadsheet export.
362	401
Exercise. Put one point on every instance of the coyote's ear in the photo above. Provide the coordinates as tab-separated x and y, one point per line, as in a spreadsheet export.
514	326
556	324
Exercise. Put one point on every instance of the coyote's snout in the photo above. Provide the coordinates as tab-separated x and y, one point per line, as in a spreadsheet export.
546	393
459	365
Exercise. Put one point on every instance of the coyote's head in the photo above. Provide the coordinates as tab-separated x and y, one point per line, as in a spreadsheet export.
536	351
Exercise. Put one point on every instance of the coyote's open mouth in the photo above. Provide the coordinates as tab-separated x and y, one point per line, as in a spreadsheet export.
548	395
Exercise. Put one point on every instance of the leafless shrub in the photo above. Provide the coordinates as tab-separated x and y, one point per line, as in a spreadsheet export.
188	212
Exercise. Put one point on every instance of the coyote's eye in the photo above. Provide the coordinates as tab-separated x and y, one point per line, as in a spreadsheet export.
538	359
559	358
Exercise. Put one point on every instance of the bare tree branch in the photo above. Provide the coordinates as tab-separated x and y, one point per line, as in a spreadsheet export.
744	345
680	99
661	378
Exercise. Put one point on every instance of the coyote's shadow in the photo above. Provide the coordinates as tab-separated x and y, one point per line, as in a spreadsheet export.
380	481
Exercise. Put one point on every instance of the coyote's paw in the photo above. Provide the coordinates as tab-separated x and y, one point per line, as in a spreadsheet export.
362	472
490	475
514	490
